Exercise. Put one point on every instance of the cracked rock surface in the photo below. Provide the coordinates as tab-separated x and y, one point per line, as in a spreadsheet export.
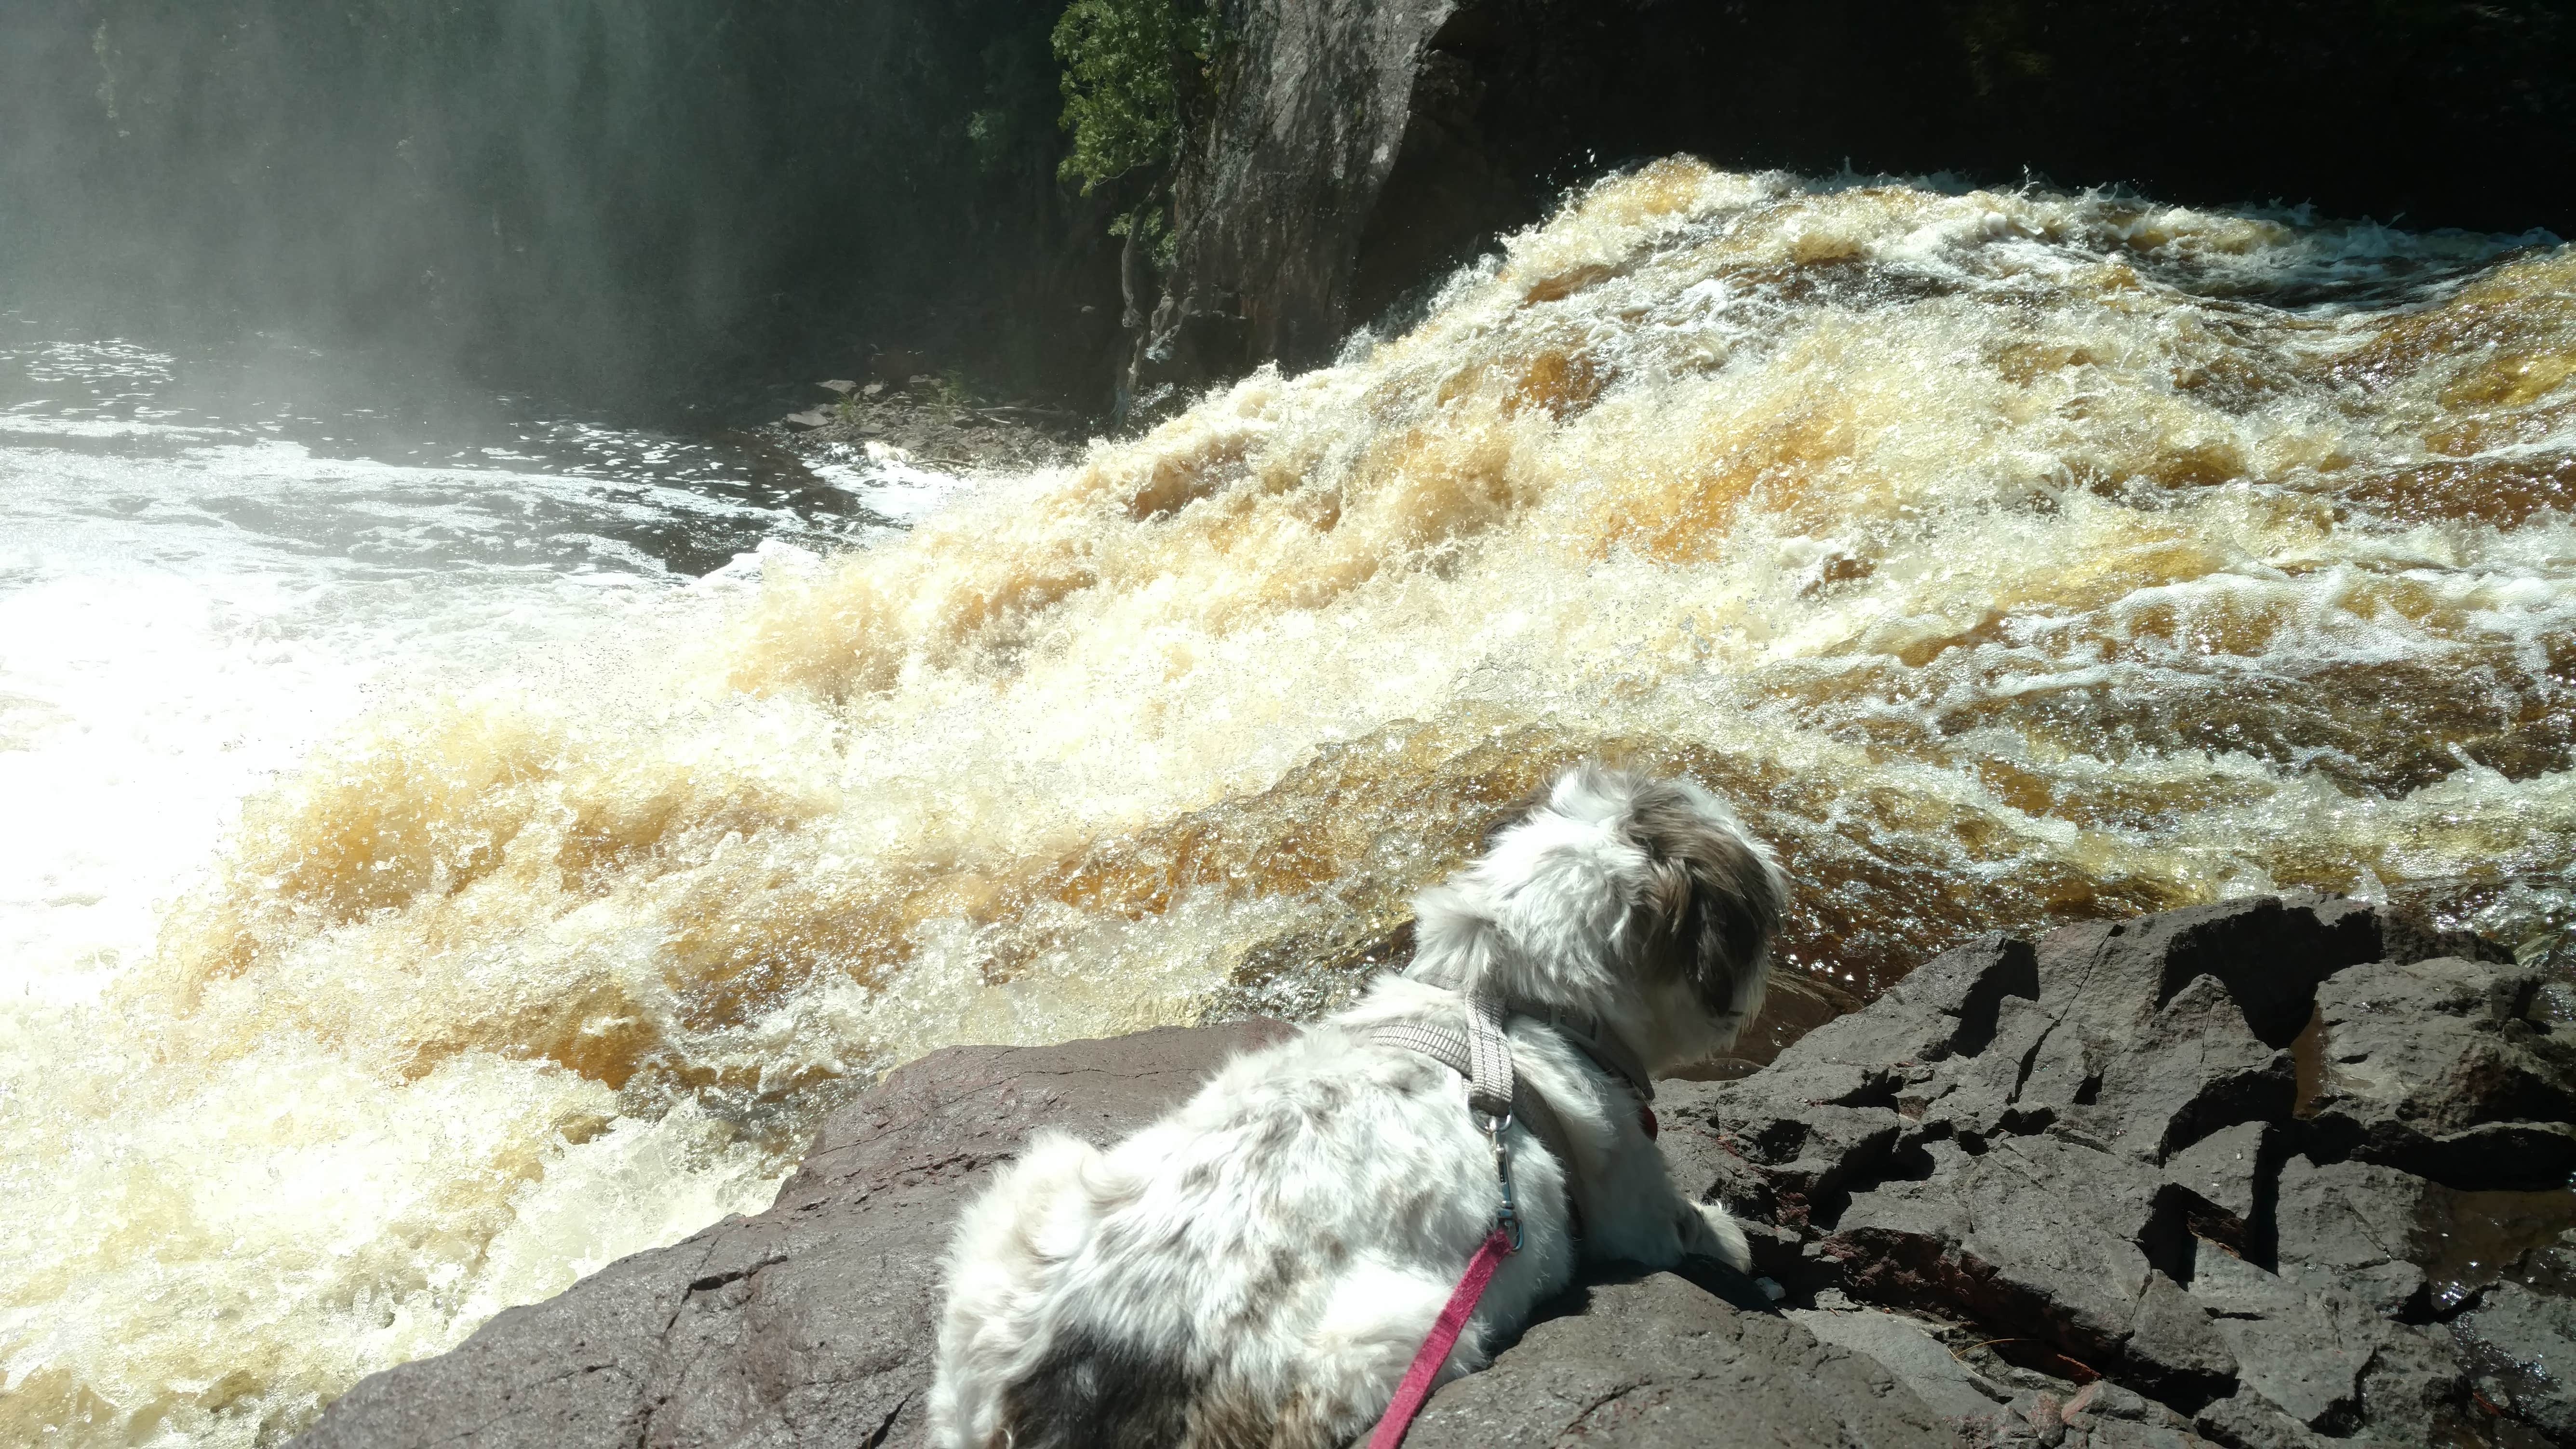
2284	1171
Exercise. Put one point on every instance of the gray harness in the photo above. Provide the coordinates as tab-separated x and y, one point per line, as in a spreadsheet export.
1496	1097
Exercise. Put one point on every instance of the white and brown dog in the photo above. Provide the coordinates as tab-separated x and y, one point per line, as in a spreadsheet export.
1258	1268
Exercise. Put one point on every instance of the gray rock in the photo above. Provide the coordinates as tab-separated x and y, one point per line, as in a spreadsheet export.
2269	952
2175	1346
1903	1347
2036	1236
1956	998
2247	1420
2101	1163
2305	1357
2103	1415
811	1323
1661	1362
2228	1173
2191	1068
1793	1167
2440	1067
2353	1223
2522	1348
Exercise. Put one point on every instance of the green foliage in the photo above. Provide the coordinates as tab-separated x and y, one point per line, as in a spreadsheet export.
1123	65
1149	224
988	133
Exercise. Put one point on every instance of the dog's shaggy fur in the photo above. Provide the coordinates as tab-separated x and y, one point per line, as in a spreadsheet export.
1258	1268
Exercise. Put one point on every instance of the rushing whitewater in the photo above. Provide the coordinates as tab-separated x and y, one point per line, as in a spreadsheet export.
2010	557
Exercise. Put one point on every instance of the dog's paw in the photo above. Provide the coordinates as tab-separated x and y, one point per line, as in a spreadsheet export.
1718	1237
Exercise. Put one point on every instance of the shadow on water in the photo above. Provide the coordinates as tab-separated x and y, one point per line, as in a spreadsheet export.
398	463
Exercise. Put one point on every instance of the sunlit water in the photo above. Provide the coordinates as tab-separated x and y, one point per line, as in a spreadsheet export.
208	562
433	891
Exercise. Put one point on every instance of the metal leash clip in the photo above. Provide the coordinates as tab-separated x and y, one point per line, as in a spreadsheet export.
1509	1219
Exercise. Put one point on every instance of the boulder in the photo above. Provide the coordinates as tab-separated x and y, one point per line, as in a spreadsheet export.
1660	1361
2521	1346
2101	1156
2352	1223
2441	1067
1906	1348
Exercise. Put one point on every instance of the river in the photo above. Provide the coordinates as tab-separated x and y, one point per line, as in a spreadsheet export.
453	847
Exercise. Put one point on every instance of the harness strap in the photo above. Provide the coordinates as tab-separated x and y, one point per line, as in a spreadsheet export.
1490	1081
1428	1359
1483	1055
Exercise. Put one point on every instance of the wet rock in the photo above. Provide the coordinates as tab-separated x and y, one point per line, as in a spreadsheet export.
2322	1349
2522	1347
1271	207
2413	1390
924	424
2104	1153
1662	1361
2439	1067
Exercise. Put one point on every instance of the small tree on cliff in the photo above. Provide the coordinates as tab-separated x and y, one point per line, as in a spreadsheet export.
1123	63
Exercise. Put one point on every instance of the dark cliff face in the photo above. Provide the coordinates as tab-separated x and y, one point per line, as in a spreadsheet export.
1272	197
1358	150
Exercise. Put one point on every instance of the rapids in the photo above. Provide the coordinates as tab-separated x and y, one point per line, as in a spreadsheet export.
2010	557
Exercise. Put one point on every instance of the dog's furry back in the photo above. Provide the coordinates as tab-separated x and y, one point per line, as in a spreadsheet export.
1258	1268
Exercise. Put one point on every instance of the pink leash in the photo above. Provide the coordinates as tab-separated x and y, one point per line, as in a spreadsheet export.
1434	1352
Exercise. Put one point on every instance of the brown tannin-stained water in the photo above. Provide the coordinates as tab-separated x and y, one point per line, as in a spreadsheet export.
2011	559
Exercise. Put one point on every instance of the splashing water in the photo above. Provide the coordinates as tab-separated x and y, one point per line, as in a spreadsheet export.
2011	558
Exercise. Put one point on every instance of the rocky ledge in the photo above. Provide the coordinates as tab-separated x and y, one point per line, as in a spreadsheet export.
927	421
2283	1171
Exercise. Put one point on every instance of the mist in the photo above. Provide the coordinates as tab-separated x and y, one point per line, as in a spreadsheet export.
608	199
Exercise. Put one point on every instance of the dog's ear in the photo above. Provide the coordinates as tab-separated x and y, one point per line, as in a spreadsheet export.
1713	899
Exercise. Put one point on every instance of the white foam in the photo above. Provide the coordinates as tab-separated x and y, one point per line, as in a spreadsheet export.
888	481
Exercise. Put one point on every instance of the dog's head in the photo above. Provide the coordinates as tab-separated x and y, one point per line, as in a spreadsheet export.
1640	901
